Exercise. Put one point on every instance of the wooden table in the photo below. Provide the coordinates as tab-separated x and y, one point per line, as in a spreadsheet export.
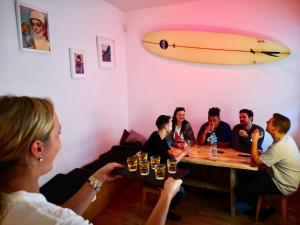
226	158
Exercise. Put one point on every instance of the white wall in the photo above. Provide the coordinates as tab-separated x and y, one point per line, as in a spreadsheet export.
93	112
157	85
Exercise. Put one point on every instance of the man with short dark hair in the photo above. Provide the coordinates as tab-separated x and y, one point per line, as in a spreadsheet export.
282	159
157	145
215	125
241	133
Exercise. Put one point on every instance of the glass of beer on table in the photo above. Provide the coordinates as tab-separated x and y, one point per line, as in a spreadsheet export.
172	165
154	159
143	156
160	171
132	163
144	167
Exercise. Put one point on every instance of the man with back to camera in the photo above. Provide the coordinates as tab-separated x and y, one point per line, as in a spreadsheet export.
215	125
241	133
282	159
157	145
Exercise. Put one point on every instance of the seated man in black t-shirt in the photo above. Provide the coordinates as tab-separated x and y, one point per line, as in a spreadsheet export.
241	133
157	145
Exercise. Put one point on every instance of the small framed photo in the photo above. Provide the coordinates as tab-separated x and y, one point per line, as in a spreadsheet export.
77	63
33	28
106	52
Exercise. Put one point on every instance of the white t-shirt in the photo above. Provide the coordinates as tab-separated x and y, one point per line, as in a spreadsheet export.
177	136
283	161
22	207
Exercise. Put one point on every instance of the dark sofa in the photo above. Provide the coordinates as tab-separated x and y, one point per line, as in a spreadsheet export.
62	186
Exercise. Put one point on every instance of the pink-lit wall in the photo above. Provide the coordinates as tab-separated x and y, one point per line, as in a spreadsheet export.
92	111
157	85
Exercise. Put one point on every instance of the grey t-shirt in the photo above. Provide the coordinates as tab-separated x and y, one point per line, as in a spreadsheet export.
283	161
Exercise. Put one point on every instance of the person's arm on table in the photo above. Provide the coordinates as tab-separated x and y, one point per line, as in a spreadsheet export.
254	151
202	135
160	211
178	156
82	198
183	153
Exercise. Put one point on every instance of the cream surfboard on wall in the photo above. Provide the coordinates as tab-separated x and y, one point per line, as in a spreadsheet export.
213	48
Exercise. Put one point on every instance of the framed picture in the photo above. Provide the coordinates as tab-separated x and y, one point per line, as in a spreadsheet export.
106	52
33	28
77	63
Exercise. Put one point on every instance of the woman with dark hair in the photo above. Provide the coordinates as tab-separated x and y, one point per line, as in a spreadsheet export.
182	132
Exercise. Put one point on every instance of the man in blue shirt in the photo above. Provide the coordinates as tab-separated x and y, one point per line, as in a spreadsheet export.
215	125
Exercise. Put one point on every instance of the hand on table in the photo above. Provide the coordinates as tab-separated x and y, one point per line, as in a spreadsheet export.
105	173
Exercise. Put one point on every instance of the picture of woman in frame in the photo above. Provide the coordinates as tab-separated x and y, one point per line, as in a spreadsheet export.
34	28
79	67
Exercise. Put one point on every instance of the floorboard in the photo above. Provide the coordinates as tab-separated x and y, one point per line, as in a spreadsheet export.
200	206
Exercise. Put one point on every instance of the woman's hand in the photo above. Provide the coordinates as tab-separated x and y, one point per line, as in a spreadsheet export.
104	174
171	187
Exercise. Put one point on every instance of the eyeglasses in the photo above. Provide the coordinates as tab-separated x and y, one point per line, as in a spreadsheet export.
36	24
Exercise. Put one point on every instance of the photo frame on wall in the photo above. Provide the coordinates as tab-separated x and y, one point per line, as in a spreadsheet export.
106	52
77	63
33	28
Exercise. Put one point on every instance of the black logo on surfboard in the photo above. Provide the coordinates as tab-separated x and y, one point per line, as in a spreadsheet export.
163	44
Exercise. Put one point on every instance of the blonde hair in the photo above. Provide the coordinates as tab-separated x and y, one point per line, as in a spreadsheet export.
23	120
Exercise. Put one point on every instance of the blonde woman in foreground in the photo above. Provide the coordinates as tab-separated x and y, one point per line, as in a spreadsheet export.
29	142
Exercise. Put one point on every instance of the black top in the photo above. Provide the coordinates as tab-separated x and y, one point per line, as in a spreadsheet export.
222	131
156	146
244	144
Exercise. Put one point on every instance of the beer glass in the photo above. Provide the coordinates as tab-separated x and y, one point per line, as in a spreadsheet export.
171	165
154	159
143	156
160	171
144	167
132	163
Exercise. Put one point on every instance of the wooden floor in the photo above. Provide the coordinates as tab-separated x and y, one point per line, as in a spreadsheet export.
200	206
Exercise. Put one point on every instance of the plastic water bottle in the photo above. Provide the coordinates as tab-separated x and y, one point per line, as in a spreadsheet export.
214	144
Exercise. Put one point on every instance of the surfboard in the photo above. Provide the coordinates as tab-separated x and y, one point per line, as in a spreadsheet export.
213	48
